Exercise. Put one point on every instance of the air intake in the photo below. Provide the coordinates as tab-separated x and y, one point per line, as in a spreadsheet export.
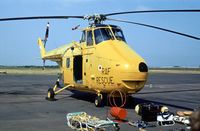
143	67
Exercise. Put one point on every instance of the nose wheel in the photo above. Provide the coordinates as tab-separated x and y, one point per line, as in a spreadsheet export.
98	100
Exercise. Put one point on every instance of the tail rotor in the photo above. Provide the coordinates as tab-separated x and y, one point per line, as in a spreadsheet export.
46	34
45	40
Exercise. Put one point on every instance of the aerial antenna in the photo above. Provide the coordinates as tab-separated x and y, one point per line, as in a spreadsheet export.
76	27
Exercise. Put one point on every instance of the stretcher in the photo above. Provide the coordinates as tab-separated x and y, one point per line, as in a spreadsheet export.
81	121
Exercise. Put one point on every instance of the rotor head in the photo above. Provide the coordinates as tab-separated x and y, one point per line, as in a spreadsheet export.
95	19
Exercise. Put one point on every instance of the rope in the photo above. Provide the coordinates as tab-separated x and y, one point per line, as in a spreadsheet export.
112	97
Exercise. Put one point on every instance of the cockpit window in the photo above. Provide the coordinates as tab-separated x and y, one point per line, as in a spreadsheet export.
118	34
89	38
102	34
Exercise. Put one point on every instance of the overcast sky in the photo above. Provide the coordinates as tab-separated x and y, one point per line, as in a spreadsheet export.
18	39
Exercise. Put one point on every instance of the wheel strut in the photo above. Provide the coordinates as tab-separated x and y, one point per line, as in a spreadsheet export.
52	91
98	100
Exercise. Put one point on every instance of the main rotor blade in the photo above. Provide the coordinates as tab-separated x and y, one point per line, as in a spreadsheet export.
155	27
152	11
40	17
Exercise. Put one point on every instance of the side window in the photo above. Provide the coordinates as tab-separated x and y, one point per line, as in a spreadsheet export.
89	38
83	37
118	34
68	62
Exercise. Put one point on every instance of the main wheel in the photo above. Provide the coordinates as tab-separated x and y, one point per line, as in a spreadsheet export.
50	94
98	101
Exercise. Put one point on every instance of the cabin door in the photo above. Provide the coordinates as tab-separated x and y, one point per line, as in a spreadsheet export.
88	60
68	70
88	64
78	69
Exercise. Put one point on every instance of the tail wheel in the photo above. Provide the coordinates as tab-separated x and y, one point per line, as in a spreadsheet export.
98	101
50	94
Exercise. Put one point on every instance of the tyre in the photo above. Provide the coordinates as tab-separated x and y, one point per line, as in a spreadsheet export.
50	94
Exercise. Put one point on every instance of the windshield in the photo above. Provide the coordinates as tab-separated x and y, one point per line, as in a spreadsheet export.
102	34
118	34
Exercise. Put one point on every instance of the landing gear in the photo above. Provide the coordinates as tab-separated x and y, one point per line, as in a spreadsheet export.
98	100
54	91
50	94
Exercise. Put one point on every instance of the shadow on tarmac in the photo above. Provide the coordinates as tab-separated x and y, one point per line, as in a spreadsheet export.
131	102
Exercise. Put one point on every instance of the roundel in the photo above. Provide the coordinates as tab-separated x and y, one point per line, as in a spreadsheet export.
100	67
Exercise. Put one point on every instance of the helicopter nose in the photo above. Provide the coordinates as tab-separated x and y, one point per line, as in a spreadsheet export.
134	76
143	67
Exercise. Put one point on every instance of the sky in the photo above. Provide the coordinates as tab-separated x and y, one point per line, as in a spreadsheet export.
18	39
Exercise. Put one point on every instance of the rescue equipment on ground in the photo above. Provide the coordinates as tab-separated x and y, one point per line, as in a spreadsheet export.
81	121
164	109
181	119
148	111
140	124
184	113
165	118
118	113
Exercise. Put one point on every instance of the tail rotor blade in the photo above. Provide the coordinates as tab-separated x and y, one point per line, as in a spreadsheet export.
46	33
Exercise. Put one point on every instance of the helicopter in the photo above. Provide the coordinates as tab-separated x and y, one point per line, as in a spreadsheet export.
102	61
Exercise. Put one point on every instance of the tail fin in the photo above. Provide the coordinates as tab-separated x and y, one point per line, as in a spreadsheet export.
42	49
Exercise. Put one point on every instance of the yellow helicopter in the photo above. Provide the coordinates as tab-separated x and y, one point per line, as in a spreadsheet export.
101	62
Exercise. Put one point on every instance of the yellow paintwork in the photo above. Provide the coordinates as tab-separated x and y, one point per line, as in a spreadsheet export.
107	66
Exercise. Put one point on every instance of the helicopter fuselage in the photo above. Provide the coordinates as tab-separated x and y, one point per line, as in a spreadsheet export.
104	67
100	63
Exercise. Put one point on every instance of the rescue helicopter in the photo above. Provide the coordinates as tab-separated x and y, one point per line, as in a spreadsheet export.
102	61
